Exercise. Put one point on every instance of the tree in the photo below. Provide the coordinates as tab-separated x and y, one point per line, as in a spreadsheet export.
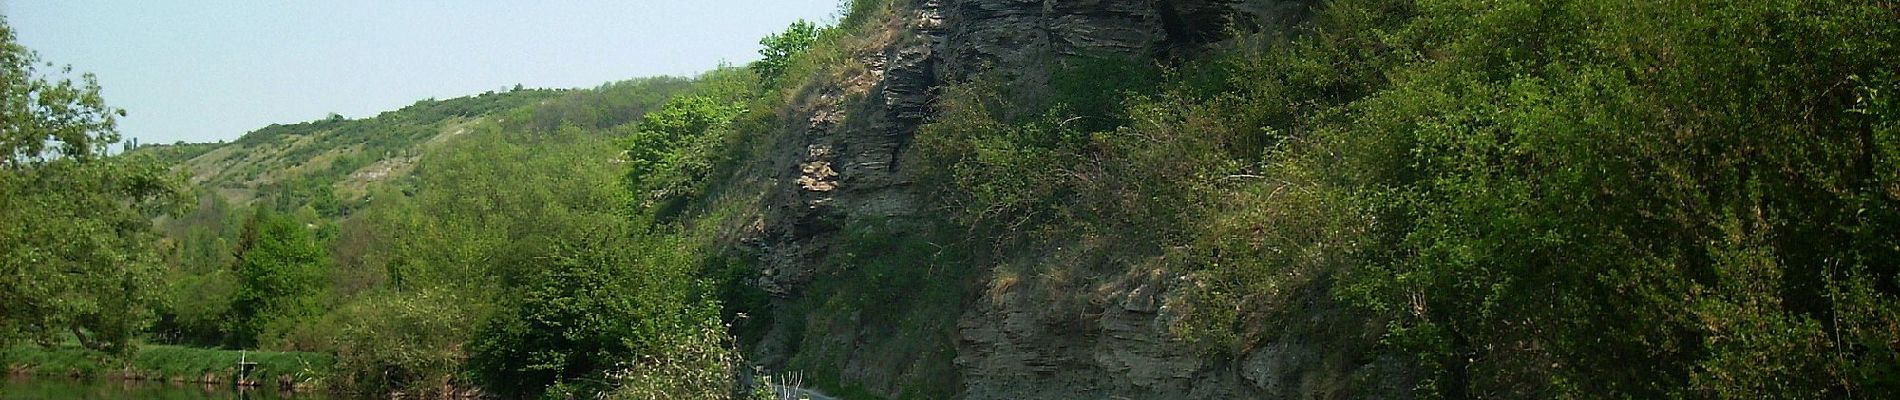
76	245
676	148
782	47
280	275
587	311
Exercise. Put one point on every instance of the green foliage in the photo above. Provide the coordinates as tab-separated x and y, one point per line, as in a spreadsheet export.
1091	92
402	228
780	48
162	362
486	205
1260	251
279	275
610	105
58	360
1074	160
900	287
50	119
1597	198
1564	199
399	342
857	15
173	362
195	308
330	163
674	150
491	214
76	248
585	310
970	147
1552	199
175	153
702	365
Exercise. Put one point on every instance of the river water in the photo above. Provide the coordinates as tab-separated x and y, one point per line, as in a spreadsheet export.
37	388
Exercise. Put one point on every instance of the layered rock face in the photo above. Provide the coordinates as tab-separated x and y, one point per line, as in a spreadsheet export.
1024	36
844	163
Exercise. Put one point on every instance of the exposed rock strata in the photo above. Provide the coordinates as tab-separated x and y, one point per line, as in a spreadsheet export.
843	164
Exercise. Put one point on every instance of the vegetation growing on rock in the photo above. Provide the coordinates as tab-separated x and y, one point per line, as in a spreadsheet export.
1193	199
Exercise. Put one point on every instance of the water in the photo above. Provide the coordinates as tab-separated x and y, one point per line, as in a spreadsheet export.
21	388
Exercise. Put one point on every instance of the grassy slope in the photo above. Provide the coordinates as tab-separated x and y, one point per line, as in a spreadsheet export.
334	158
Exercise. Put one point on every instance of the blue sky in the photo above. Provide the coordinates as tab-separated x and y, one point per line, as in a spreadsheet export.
202	71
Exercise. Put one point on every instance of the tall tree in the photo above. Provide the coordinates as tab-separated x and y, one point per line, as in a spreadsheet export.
280	275
76	245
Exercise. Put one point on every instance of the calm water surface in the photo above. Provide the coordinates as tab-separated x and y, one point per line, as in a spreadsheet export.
21	388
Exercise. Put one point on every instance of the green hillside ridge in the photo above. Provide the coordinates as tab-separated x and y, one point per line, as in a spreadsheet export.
331	163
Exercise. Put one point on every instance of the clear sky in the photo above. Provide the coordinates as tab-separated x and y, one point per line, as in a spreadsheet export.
203	71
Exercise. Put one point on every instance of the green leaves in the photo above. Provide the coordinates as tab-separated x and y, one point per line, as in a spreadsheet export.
781	48
1547	199
404	341
673	151
588	309
38	112
76	249
1568	166
280	275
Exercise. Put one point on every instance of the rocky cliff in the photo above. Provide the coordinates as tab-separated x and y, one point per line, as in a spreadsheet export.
843	163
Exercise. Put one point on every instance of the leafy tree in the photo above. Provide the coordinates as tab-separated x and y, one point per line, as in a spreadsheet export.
781	48
676	148
280	275
76	247
589	309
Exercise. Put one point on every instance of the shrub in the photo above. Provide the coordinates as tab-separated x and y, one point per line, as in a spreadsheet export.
673	151
699	365
593	305
408	342
780	48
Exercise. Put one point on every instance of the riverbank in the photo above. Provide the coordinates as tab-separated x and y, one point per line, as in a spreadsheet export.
291	371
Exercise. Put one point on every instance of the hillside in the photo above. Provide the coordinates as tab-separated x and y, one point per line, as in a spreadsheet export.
332	163
1195	199
328	173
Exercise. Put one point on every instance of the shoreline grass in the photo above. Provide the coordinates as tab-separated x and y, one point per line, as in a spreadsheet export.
298	371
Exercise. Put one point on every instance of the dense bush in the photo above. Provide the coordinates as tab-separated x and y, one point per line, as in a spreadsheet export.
506	208
780	48
672	152
701	365
1671	198
404	342
586	310
526	218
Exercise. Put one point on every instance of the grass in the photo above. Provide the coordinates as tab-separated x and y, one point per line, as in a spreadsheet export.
174	363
